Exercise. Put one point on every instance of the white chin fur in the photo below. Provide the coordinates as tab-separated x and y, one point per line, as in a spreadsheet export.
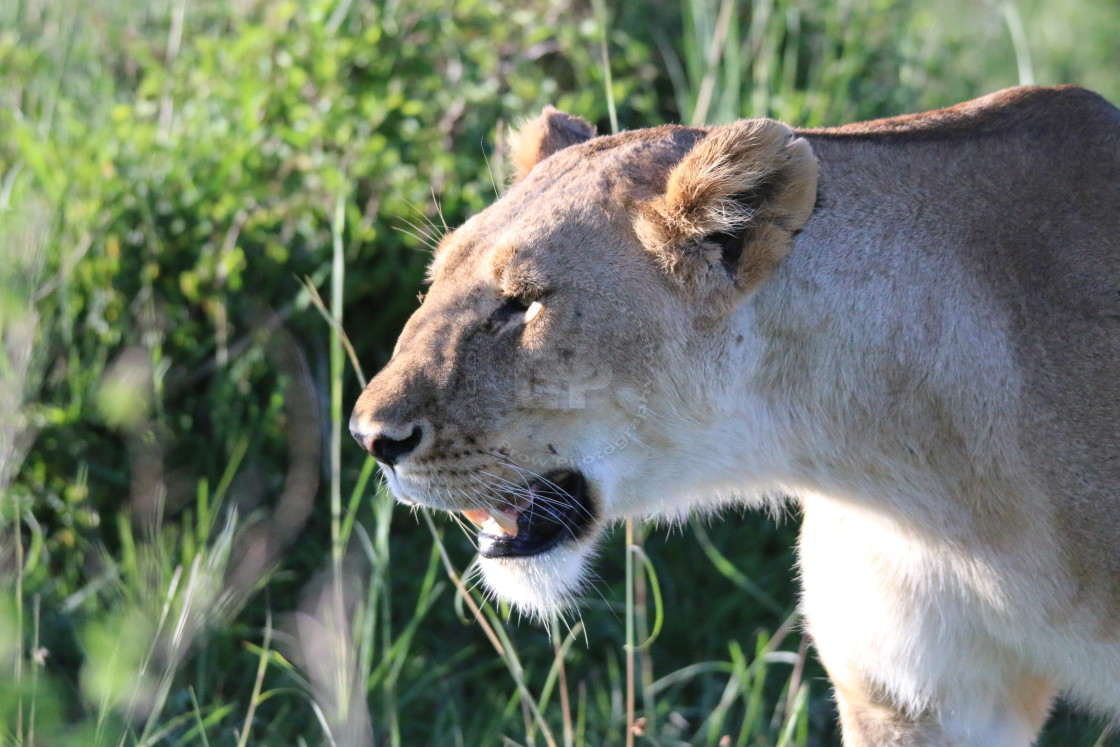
541	585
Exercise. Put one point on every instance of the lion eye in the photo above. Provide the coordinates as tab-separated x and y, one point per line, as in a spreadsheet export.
518	303
518	310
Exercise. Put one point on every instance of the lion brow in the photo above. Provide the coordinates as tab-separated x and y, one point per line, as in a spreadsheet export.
514	277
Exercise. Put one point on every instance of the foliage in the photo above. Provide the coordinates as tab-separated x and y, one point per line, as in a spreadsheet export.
190	208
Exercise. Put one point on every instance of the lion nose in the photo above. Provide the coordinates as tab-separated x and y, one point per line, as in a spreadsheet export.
384	447
388	450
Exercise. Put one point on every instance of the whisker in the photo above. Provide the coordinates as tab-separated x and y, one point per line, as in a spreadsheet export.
472	577
497	497
554	507
422	238
511	487
436	232
545	499
493	181
439	211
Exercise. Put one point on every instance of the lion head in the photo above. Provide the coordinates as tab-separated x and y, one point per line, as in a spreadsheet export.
564	368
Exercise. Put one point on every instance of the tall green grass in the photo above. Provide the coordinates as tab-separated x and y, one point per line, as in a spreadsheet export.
198	200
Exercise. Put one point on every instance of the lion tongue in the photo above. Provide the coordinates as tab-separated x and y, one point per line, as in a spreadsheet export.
503	522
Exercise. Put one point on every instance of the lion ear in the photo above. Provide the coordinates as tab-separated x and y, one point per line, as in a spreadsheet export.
732	205
539	138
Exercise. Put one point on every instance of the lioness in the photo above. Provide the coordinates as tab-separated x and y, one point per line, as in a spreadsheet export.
910	327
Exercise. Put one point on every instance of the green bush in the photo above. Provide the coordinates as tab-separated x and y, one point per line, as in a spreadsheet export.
188	178
191	203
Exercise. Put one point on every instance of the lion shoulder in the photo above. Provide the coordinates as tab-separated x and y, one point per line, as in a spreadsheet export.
1061	111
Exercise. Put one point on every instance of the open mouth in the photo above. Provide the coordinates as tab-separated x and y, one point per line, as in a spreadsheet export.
554	508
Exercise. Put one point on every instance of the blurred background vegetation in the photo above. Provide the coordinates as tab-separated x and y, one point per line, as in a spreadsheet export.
194	192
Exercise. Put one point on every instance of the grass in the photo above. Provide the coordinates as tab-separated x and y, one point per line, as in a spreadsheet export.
194	210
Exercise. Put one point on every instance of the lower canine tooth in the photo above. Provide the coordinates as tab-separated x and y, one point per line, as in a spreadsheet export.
505	522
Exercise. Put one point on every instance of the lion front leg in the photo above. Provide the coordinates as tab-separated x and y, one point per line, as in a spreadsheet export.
870	720
906	648
870	716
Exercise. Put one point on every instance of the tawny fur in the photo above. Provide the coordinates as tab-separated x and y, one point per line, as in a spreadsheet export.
539	138
920	350
751	177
